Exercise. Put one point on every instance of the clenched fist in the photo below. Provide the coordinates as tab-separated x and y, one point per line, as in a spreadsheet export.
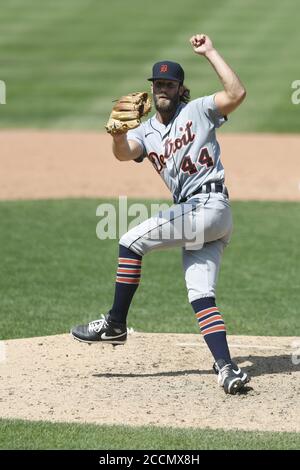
201	44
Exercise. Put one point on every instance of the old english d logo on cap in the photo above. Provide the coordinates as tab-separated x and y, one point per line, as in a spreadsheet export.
167	70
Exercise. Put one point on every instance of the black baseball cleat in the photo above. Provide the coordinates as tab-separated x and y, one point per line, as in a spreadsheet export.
104	330
230	376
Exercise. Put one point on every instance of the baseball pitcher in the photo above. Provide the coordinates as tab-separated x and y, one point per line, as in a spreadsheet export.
180	142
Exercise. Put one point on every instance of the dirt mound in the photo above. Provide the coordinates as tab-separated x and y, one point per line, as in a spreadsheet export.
155	379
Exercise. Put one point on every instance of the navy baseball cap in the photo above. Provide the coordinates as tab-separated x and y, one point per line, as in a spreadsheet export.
167	70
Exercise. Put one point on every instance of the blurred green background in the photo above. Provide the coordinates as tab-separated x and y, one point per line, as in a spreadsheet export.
64	61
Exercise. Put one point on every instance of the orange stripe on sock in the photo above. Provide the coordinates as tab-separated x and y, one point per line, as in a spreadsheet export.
206	312
214	329
210	320
129	271
127	280
137	262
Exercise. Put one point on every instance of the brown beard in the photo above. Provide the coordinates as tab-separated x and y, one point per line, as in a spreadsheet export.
168	108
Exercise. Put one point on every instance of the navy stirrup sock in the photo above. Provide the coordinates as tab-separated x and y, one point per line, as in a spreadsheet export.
212	327
127	282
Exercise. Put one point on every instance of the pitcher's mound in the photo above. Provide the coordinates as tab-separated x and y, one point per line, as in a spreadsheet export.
155	379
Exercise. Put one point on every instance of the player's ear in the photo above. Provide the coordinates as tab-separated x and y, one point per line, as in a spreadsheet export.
181	90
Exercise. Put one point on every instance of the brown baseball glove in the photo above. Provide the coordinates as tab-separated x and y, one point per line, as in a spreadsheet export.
127	112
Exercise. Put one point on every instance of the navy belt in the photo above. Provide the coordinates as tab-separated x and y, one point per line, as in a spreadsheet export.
208	188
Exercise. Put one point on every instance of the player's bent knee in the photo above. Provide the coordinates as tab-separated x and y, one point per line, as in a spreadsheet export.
129	241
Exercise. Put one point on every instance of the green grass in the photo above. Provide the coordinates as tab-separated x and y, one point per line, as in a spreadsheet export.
41	435
55	272
64	61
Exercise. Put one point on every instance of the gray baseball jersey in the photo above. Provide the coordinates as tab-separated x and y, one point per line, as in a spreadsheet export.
185	153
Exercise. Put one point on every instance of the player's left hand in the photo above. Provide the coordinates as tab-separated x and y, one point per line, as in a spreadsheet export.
201	44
